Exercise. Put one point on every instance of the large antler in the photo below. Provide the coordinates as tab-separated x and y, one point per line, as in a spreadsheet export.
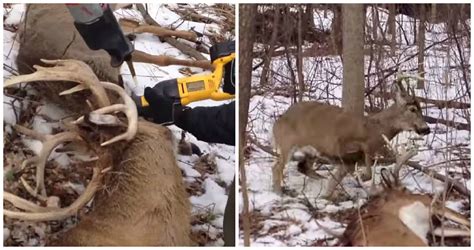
77	71
49	143
129	108
402	156
403	77
38	213
65	70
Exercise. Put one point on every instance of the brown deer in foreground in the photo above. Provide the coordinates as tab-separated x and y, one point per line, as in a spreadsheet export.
342	138
47	32
397	217
144	202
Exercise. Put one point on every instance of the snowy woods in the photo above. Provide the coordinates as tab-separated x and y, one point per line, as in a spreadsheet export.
308	53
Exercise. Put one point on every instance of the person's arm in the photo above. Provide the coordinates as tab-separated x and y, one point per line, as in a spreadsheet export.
210	124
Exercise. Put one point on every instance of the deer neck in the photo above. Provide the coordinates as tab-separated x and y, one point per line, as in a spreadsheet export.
383	122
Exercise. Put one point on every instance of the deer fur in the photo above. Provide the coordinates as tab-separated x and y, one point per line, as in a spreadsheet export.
341	137
397	217
144	202
48	32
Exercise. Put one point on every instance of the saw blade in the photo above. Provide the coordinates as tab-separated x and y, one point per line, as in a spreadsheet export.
132	71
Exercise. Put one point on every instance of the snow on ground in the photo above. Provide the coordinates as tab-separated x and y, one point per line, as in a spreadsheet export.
211	203
286	220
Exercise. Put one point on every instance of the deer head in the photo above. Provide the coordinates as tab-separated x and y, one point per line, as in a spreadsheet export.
410	117
397	217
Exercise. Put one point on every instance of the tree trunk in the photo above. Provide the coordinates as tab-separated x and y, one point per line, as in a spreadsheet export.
353	55
421	47
392	28
267	58
247	29
336	31
299	57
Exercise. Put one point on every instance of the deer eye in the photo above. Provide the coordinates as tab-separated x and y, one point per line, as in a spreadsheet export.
412	109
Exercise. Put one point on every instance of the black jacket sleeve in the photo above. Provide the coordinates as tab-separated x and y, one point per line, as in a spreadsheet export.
210	124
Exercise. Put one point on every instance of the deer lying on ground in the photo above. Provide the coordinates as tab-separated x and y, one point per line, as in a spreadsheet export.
48	32
397	217
342	138
144	202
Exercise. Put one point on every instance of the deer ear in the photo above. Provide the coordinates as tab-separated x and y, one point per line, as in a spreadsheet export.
399	93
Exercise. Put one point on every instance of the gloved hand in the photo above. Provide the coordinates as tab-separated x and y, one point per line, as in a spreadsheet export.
162	109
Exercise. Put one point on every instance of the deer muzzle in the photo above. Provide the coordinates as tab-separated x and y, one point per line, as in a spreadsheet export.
423	130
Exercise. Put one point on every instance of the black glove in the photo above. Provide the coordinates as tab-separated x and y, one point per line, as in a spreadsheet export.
162	109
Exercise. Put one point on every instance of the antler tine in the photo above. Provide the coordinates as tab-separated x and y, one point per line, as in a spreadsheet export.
451	215
49	143
65	70
128	108
455	217
401	157
401	77
38	213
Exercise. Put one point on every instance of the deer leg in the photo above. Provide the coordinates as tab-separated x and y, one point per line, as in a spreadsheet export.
334	180
367	173
277	172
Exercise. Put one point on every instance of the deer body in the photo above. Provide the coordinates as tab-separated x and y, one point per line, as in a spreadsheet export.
141	201
397	217
330	130
381	221
144	202
48	32
340	137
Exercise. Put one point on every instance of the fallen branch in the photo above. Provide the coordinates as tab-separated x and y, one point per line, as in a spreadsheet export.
438	103
265	148
456	125
132	27
160	60
186	49
188	14
453	183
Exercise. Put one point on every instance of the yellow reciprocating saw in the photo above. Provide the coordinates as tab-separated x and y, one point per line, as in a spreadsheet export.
196	87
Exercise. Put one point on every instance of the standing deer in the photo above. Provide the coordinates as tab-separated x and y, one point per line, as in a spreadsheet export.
397	217
343	138
144	202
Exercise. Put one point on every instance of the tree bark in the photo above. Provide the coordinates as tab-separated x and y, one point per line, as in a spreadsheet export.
392	28
267	58
299	56
247	36
353	55
421	47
